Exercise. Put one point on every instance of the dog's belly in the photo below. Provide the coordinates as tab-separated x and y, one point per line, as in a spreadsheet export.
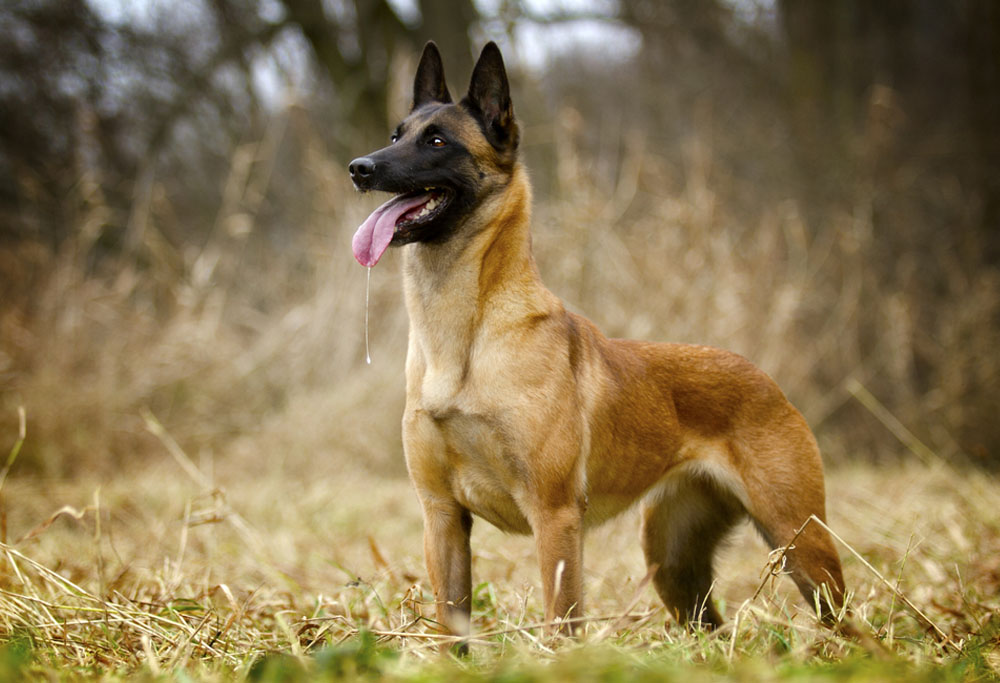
602	507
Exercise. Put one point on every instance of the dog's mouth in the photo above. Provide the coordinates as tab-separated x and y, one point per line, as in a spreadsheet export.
437	200
397	220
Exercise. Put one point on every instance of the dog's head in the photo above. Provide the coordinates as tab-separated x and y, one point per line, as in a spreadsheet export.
444	158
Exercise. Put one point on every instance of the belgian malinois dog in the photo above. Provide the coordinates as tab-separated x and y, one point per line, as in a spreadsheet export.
524	414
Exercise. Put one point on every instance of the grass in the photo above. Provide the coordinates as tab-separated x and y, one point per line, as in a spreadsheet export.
215	571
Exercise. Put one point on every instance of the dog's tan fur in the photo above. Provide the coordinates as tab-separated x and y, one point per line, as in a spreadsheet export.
524	414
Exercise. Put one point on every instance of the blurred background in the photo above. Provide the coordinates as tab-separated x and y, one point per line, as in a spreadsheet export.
813	184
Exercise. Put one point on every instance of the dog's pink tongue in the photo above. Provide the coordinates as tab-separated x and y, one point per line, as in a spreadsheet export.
373	237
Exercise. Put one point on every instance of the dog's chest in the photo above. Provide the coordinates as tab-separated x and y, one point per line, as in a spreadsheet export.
486	476
467	380
471	415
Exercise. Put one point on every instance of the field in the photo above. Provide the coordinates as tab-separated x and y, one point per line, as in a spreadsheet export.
303	567
210	481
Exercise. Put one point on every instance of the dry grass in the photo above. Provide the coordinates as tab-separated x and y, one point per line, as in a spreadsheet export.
211	483
209	569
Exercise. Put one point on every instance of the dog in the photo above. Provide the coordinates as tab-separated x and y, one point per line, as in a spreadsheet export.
522	413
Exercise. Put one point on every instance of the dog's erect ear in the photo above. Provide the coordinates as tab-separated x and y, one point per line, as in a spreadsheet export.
489	97
428	84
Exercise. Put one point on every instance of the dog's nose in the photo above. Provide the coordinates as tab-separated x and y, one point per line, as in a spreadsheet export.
361	168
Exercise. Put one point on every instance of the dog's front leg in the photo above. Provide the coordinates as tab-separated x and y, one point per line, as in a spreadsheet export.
559	539
447	527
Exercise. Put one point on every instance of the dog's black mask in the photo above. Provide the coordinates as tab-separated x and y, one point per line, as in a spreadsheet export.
443	158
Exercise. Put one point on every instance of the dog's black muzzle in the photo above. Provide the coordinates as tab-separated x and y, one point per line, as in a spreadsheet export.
383	170
362	172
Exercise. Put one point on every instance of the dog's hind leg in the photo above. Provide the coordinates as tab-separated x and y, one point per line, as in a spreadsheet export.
683	522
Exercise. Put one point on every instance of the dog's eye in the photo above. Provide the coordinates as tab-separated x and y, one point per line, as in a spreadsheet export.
393	137
437	141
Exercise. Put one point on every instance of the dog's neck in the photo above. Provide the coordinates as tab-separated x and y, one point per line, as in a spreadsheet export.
486	270
490	256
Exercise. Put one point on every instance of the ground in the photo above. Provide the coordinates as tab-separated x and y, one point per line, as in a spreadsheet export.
279	566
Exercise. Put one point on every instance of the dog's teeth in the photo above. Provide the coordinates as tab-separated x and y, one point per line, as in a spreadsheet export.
427	208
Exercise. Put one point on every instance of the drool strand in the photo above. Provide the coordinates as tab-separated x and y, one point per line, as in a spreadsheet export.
368	289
